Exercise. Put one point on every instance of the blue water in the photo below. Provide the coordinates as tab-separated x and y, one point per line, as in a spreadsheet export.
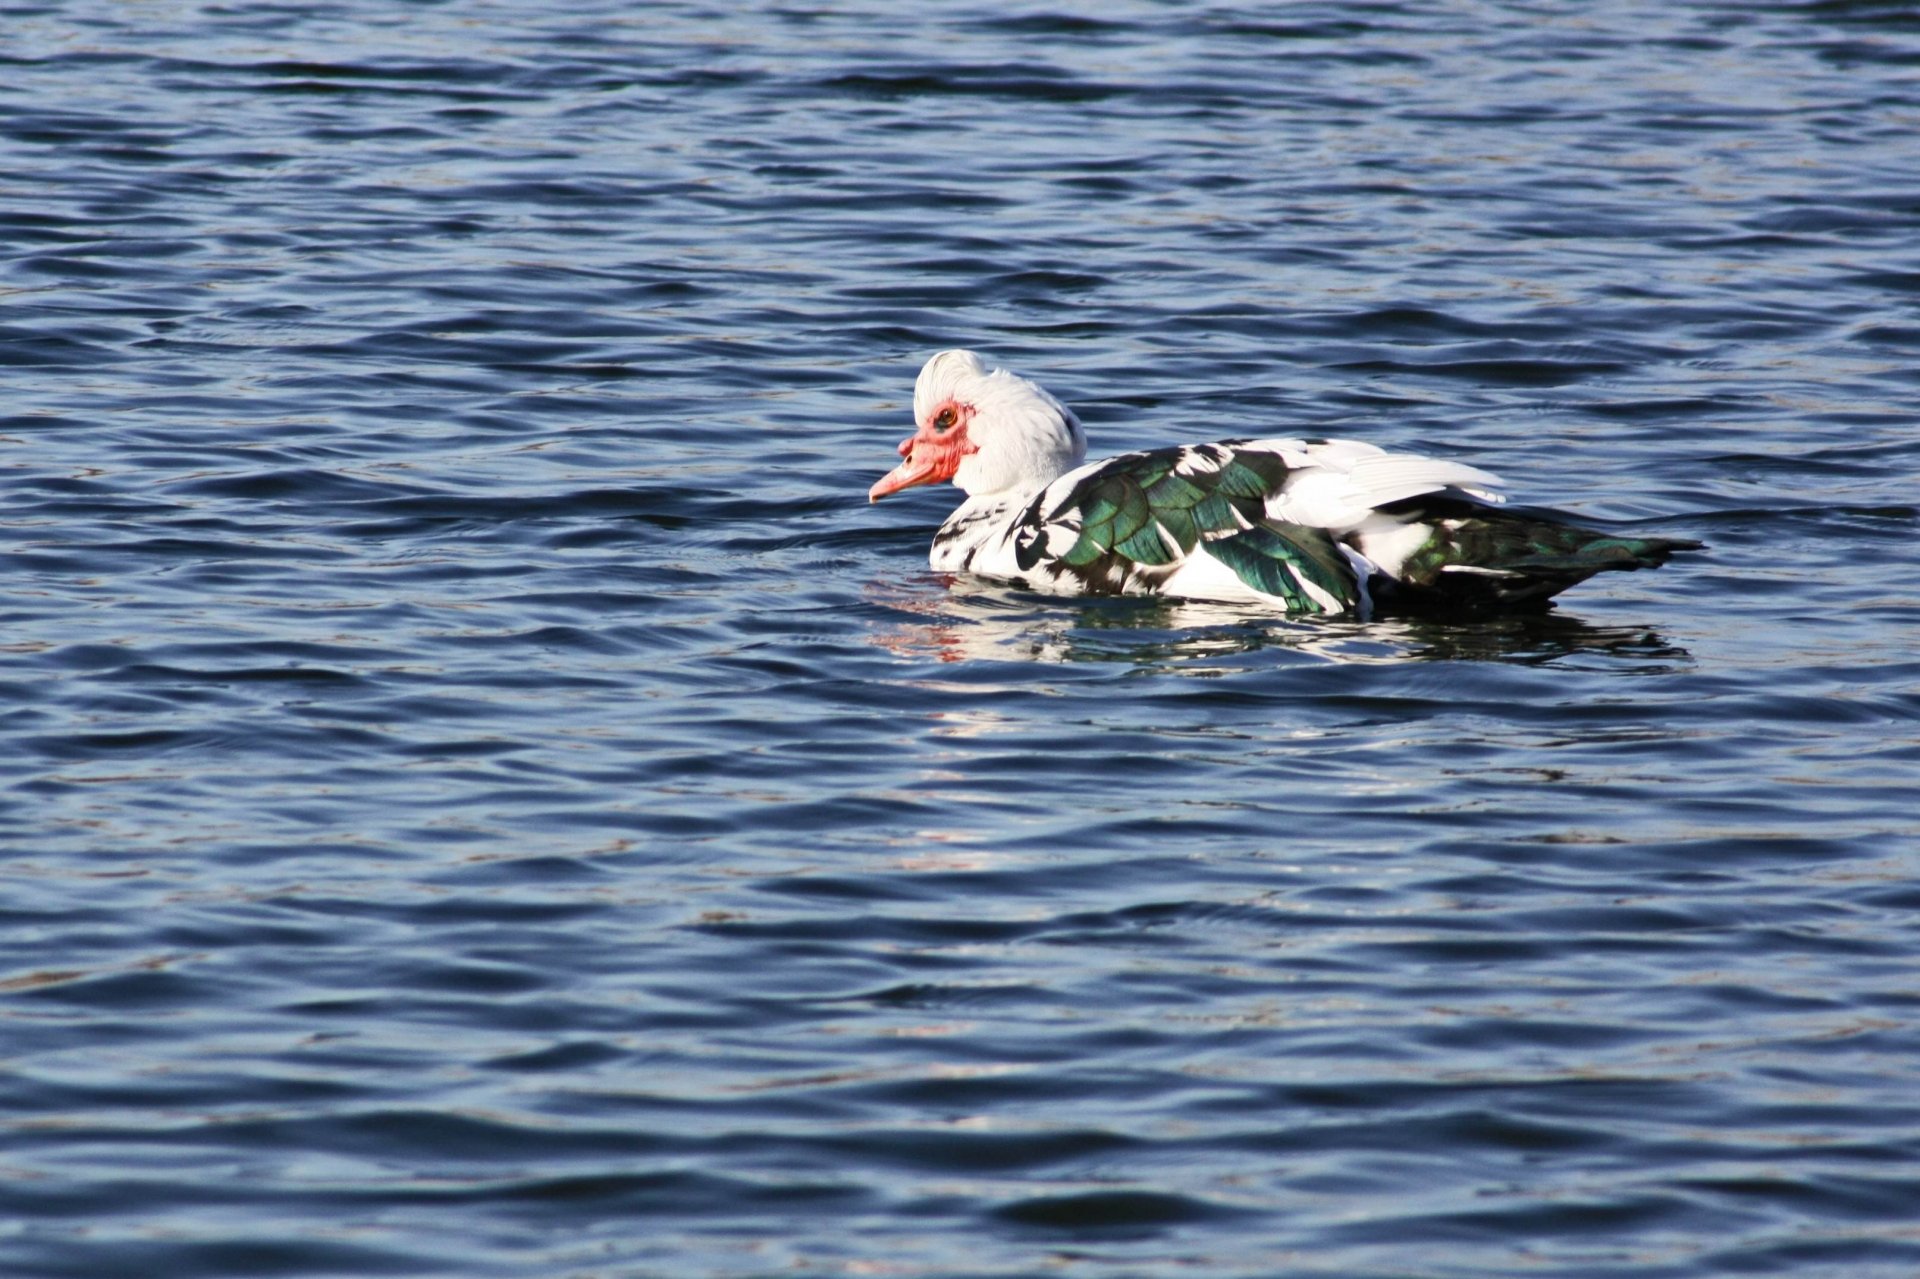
482	794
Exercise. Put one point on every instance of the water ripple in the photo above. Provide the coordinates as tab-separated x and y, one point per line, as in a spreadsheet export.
485	795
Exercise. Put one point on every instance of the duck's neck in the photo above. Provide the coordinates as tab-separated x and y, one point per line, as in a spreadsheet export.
977	521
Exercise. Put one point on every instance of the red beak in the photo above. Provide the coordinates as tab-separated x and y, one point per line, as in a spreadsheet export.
923	466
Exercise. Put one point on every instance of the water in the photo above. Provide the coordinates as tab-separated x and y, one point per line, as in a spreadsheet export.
484	795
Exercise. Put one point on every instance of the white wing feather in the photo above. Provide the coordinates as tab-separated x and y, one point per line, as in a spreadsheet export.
1339	484
1393	477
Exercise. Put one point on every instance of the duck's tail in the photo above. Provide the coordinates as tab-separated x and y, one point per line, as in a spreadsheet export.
1480	555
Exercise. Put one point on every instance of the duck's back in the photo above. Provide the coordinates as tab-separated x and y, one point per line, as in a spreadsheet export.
1318	526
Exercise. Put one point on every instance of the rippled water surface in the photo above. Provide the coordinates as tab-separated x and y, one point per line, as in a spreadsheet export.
485	796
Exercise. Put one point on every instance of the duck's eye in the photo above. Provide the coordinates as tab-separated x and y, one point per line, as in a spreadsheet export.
944	419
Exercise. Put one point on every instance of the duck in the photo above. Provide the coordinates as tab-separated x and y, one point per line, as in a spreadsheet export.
1310	526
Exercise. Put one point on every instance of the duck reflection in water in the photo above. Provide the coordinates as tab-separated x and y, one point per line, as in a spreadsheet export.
957	619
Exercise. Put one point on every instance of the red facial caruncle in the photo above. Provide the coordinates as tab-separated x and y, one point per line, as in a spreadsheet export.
933	454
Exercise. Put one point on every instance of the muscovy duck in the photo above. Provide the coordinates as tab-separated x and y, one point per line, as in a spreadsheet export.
1316	526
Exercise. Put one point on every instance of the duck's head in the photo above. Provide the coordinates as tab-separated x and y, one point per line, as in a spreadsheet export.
987	432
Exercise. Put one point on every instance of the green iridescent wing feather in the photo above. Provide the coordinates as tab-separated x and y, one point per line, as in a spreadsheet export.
1281	559
1141	515
1519	555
